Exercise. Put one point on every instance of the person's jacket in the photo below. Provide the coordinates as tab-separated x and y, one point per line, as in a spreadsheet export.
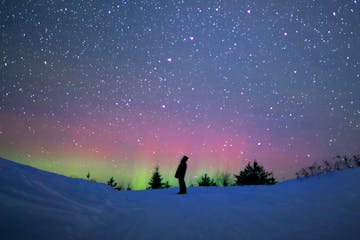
180	172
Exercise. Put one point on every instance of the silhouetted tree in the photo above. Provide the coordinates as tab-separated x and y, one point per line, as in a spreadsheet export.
206	181
337	163
112	182
327	166
356	159
302	173
156	180
166	184
254	175
224	179
88	176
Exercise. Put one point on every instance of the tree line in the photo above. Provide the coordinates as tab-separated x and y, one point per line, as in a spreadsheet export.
252	174
335	164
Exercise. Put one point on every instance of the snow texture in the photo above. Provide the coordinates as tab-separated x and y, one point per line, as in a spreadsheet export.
39	205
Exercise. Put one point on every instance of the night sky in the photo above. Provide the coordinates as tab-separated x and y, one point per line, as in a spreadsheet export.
115	88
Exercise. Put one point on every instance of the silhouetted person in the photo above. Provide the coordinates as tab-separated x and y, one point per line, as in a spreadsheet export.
180	175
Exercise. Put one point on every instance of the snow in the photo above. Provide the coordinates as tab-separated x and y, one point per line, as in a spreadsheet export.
40	205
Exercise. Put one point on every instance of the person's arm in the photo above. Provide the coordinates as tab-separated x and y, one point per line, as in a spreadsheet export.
177	173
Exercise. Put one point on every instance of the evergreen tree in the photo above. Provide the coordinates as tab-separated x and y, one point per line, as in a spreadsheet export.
167	184
156	180
356	159
88	176
206	181
112	182
224	179
254	175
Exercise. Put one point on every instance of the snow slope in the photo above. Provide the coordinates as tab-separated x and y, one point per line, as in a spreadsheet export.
41	205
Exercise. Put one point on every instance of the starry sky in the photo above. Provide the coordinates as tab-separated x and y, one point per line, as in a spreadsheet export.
115	88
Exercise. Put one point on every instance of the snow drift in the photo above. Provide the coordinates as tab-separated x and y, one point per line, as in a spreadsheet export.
40	205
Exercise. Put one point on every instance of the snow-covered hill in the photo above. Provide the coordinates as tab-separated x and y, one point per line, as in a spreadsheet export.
41	205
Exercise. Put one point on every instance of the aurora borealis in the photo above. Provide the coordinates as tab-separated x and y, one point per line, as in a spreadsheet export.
115	88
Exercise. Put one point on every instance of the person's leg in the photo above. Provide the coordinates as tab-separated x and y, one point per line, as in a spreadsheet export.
182	185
